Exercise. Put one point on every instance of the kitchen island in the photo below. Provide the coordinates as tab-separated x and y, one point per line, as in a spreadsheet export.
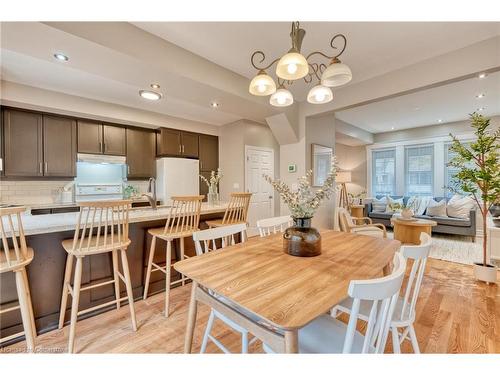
44	233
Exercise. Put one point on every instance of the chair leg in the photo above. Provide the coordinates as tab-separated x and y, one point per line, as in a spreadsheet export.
128	284
30	305
414	341
22	295
168	270
395	341
150	266
210	323
74	305
244	342
181	240
116	277
64	297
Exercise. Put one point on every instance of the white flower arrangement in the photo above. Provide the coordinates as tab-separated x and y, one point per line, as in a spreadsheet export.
215	178
304	202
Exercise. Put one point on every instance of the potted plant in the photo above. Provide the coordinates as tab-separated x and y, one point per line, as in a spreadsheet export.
406	210
213	186
301	239
479	175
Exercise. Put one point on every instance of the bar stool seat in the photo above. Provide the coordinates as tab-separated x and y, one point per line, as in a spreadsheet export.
94	248
182	222
15	264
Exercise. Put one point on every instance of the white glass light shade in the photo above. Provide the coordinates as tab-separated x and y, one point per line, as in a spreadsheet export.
292	66
281	98
337	74
319	94
262	85
343	177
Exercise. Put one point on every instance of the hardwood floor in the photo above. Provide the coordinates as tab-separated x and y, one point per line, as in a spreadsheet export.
455	314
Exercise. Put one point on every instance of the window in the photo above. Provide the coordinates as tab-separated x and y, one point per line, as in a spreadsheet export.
449	172
419	171
384	172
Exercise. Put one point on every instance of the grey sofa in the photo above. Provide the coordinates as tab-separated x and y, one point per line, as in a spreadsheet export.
447	225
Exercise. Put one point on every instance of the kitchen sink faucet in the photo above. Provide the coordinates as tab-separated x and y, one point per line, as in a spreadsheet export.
151	196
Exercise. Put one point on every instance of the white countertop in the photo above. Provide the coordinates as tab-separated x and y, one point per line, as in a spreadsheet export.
40	224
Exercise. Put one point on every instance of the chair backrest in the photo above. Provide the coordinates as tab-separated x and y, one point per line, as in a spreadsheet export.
383	294
110	221
10	220
237	209
184	214
273	225
419	254
206	240
345	220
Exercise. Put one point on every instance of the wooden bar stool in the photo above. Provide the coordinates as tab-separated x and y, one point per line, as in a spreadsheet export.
15	260
182	222
236	211
109	221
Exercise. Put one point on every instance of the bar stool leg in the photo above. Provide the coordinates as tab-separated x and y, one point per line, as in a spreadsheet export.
30	305
116	277
183	278
74	305
168	270
128	284
22	295
64	298
150	265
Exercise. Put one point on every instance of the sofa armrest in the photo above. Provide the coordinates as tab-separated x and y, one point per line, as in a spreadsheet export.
472	218
368	208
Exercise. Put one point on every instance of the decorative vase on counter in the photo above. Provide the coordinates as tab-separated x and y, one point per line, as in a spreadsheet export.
213	195
301	240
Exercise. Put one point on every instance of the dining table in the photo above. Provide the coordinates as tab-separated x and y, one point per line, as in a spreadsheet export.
273	294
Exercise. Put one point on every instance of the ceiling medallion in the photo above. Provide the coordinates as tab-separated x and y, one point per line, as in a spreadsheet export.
293	66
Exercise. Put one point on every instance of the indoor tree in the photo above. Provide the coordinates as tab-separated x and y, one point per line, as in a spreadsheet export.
479	168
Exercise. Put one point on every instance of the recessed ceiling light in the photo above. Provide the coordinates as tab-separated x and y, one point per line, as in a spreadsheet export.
61	56
214	104
155	86
150	95
479	96
440	120
482	75
480	109
416	109
392	127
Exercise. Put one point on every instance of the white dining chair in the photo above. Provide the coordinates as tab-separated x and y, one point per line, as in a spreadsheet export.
405	310
273	225
327	334
211	240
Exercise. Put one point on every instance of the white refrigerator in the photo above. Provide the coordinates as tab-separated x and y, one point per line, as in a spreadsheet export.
176	176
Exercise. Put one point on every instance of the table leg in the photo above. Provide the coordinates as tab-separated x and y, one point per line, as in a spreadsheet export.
292	341
188	341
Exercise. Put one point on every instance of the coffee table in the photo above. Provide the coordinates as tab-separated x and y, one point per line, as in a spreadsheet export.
408	232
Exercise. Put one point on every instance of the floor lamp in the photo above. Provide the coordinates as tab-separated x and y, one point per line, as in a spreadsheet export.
342	178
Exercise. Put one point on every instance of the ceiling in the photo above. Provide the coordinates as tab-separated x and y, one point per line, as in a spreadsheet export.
374	48
448	103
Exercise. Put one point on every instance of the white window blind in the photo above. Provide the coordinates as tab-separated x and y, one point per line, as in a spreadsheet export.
419	170
384	172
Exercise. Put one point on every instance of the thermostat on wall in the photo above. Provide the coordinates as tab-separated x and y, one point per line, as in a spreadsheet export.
292	168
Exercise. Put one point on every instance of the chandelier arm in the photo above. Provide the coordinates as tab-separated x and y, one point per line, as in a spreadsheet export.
263	57
342	36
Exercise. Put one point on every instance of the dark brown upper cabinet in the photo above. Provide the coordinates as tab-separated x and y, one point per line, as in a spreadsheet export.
114	140
96	138
209	153
2	154
141	153
23	143
190	144
171	142
89	137
59	146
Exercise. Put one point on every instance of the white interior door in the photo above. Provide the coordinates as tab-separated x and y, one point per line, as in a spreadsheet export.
259	161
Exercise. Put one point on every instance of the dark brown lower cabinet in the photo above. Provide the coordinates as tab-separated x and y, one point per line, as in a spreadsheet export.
59	146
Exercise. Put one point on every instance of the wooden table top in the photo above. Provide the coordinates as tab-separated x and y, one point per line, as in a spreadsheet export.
415	223
289	291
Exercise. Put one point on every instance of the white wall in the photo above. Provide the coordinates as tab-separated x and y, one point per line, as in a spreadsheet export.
353	158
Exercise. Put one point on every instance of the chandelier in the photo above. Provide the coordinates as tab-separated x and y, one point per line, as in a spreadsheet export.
294	66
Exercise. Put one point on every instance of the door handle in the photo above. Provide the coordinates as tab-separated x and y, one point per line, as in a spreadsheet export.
180	149
46	167
40	168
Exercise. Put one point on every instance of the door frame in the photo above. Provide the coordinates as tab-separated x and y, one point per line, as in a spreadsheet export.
247	148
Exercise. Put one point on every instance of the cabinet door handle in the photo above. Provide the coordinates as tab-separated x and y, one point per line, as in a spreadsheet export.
201	164
103	147
1	164
100	147
46	167
180	149
40	168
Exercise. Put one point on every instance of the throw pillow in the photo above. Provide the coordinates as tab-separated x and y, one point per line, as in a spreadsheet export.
378	205
391	202
436	208
459	207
